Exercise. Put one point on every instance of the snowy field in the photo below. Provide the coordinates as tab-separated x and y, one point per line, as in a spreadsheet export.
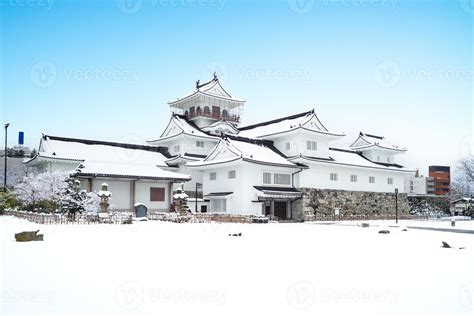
159	268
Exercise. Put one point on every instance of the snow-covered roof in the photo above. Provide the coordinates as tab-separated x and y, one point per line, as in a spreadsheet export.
369	141
73	149
231	149
221	127
350	158
127	170
178	125
211	88
306	121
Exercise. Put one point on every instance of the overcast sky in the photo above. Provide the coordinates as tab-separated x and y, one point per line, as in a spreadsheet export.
105	69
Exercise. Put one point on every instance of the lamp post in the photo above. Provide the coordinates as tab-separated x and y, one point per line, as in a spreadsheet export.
6	154
396	206
198	185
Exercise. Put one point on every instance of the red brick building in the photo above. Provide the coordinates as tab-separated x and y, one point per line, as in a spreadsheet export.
442	179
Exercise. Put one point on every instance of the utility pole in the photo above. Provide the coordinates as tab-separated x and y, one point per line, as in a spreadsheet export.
396	206
6	154
196	198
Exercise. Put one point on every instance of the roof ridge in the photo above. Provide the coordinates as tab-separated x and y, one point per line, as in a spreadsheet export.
159	149
290	117
371	135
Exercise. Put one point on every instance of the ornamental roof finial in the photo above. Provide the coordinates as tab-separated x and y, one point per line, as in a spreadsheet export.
197	84
215	75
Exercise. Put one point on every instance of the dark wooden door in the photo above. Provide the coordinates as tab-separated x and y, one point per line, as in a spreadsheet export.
280	210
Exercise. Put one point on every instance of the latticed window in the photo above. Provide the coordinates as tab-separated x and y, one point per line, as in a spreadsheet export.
371	179
282	178
353	178
212	176
333	176
232	174
267	178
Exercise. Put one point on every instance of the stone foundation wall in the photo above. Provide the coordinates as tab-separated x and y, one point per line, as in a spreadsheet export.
319	203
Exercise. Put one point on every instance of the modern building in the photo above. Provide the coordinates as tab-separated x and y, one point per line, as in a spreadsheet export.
420	185
442	179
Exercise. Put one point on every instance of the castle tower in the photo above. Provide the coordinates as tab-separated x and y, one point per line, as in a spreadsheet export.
207	104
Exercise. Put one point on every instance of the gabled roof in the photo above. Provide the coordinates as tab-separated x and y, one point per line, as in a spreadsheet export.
231	149
308	121
76	150
368	141
179	125
221	127
211	88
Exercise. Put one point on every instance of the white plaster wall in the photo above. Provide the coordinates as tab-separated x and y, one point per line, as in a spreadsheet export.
120	192
318	176
142	195
298	144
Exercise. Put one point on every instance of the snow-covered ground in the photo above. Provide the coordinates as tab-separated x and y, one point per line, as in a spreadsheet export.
161	268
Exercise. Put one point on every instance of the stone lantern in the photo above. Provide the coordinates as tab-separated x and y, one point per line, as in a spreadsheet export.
179	201
104	195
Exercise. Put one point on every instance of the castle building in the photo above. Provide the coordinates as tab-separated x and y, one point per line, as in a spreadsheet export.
274	168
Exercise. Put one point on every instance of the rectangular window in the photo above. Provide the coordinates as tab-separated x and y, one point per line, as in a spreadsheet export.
333	176
287	146
390	180
388	159
157	194
232	174
200	144
311	145
353	178
267	178
218	206
282	178
371	179
176	148
212	176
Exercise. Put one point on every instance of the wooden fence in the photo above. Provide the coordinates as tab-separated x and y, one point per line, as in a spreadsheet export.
77	219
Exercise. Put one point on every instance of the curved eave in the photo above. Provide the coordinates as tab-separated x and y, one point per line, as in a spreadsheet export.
38	157
171	103
165	139
361	148
123	176
302	128
353	165
210	164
